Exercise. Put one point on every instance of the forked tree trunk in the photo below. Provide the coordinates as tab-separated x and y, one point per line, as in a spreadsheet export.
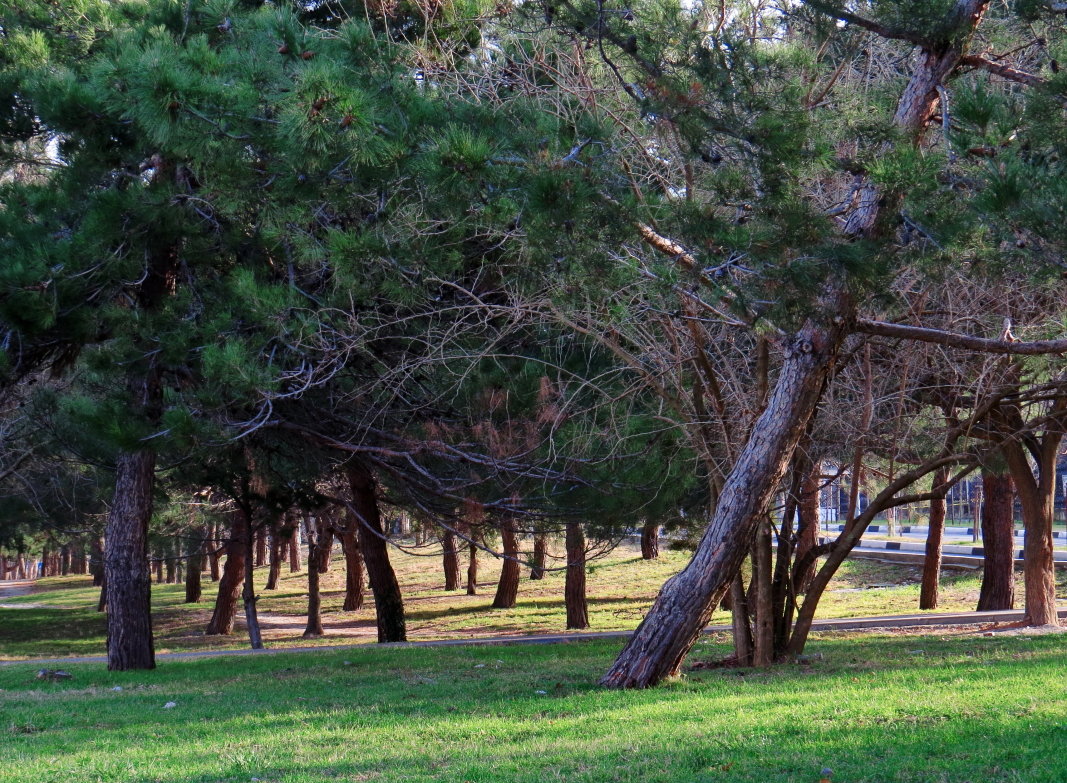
928	593
388	602
685	603
1037	496
650	540
353	566
450	559
507	588
574	588
540	553
127	578
998	542
233	576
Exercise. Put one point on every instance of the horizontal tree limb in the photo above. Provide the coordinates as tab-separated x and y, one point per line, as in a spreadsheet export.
963	341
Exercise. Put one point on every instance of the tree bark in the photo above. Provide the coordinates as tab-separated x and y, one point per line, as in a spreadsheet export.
314	528
741	621
215	547
261	547
507	588
931	578
685	603
650	540
540	553
248	593
353	566
388	602
760	603
574	588
126	574
276	546
998	542
96	561
233	575
194	570
807	528
294	551
450	559
472	567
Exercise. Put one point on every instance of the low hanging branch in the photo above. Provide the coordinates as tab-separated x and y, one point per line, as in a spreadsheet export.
963	341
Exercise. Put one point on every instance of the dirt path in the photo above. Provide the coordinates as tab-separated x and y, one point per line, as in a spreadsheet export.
13	588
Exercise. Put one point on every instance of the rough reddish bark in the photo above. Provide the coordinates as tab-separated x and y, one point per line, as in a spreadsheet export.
388	602
127	580
507	588
998	542
540	553
233	576
574	588
931	577
685	603
650	540
450	559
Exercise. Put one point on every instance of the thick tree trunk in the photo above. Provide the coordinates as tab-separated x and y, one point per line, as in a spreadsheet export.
998	542
507	588
807	528
261	547
194	569
650	540
127	578
540	553
325	545
64	560
233	576
170	565
685	603
574	589
932	562
450	559
157	566
353	566
388	602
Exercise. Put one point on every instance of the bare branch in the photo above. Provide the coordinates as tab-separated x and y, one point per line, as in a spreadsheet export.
963	341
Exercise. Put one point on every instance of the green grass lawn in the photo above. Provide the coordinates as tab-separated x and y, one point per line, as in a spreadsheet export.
964	709
60	616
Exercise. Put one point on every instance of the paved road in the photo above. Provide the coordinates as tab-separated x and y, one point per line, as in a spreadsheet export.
850	624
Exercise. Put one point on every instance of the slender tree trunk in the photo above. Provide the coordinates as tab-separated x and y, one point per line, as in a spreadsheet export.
101	603
450	559
127	578
507	588
760	599
315	531
472	568
233	576
277	543
998	541
261	547
540	552
388	602
650	540
194	591
685	603
932	562
741	621
96	561
294	551
807	528
353	566
215	552
574	589
248	593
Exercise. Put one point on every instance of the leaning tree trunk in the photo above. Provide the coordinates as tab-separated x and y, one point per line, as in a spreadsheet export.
127	579
650	540
932	562
540	553
388	602
574	588
685	603
233	576
450	559
998	543
507	589
353	566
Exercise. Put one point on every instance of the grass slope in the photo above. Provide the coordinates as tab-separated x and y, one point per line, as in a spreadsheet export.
908	709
